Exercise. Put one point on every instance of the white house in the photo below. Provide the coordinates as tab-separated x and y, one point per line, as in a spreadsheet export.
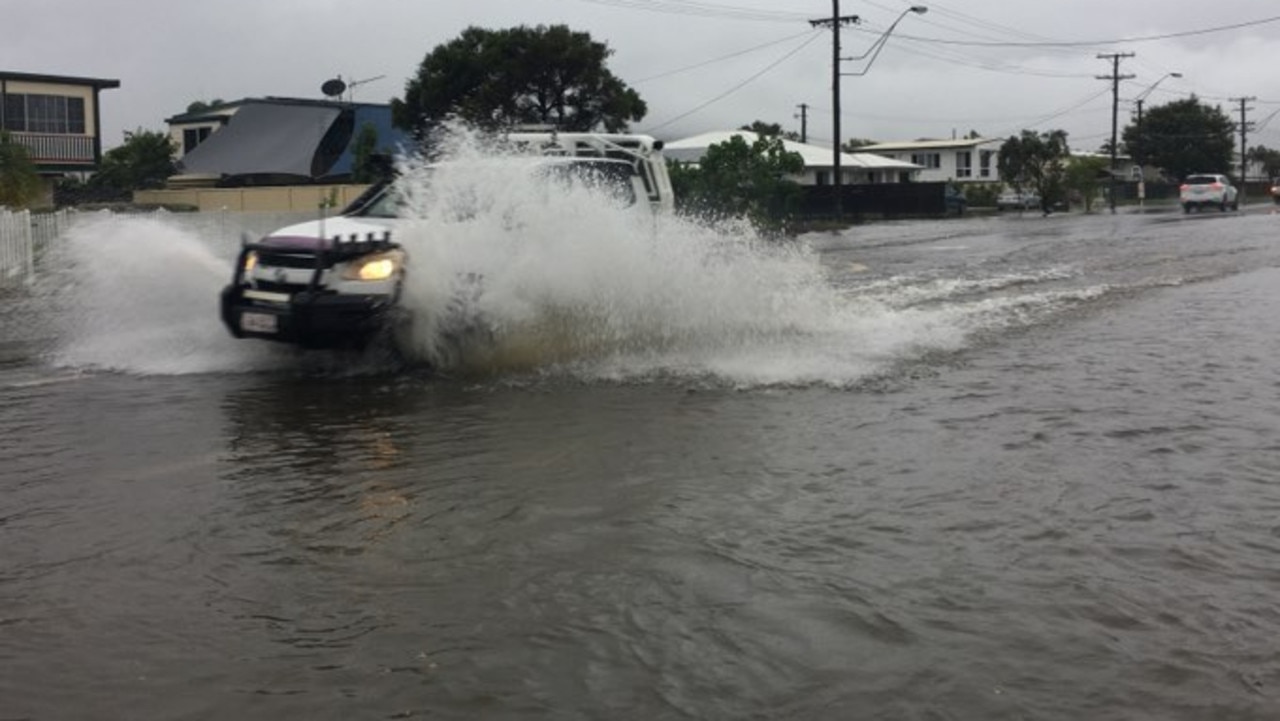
855	168
963	160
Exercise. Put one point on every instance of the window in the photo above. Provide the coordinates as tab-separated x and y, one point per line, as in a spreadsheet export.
984	163
964	164
820	177
15	113
933	161
52	114
191	137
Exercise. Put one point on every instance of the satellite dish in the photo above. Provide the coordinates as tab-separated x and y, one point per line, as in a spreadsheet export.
333	88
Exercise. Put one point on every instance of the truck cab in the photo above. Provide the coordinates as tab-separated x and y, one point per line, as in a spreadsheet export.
336	282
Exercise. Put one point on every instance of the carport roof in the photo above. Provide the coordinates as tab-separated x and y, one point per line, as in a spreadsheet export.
264	138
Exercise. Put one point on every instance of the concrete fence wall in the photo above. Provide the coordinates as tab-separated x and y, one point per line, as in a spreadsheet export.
301	198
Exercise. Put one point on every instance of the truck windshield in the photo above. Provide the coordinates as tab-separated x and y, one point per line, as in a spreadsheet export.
384	204
611	177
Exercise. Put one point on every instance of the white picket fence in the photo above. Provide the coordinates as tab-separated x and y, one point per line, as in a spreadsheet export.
22	235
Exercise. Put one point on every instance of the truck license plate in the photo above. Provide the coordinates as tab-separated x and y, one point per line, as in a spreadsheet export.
259	323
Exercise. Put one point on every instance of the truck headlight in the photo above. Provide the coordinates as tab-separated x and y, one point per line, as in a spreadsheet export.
374	267
250	261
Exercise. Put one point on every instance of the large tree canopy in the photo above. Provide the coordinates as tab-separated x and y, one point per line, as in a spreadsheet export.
145	160
496	78
1269	160
1036	162
1182	137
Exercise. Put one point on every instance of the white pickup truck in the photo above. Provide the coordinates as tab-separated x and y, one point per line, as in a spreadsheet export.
336	282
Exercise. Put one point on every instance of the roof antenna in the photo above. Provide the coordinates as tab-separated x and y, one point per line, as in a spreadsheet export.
351	86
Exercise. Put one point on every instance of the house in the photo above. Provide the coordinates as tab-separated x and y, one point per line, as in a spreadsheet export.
1126	171
855	168
56	118
276	141
963	160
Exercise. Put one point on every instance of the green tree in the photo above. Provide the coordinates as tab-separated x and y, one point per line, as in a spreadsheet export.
200	106
1036	161
772	130
1269	160
734	179
1181	138
144	160
19	179
1084	178
522	75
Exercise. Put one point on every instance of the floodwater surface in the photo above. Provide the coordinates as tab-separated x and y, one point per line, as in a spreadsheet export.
988	468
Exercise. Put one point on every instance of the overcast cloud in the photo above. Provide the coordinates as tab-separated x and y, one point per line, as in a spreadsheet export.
676	53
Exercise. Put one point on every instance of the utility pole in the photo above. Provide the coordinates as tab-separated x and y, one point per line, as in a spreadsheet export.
1245	127
804	122
836	21
1115	77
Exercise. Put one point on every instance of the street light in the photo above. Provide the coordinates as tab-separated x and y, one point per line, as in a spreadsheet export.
1139	154
878	45
874	52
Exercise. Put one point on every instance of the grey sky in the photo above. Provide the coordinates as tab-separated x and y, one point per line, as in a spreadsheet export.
675	53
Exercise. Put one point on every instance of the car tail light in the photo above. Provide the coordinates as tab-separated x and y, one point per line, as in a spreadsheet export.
1184	186
1217	186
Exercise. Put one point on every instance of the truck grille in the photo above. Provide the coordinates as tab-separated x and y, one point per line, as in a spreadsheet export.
286	260
271	287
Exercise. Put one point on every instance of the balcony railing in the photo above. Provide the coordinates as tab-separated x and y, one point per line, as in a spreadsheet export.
47	149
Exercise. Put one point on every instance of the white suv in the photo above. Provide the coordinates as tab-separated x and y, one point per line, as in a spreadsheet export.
1208	189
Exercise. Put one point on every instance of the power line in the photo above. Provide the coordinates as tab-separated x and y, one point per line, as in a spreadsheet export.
1055	115
1087	43
985	27
737	87
702	9
1262	125
730	56
1030	122
957	59
975	21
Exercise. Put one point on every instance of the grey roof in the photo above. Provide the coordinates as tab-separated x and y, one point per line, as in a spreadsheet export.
264	138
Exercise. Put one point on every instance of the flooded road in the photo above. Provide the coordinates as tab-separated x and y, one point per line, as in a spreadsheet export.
995	468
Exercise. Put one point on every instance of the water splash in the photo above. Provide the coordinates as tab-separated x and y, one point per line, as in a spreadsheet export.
559	279
139	294
511	279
